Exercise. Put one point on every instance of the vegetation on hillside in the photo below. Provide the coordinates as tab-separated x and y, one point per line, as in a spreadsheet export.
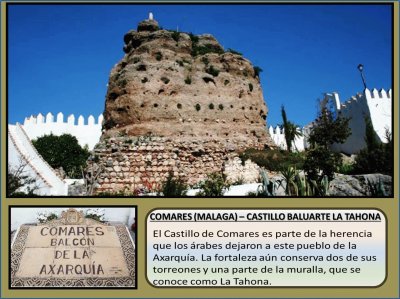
274	159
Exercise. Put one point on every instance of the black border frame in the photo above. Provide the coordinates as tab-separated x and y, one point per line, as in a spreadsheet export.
74	206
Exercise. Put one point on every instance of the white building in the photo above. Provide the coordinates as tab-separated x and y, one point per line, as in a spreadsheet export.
376	105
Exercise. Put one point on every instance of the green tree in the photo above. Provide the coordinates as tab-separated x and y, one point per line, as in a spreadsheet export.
173	186
19	182
214	185
63	151
291	131
371	141
376	157
320	159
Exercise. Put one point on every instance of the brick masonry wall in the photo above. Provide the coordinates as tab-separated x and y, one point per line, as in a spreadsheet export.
127	164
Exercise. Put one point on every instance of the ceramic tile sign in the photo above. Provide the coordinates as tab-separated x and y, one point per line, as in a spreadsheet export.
73	251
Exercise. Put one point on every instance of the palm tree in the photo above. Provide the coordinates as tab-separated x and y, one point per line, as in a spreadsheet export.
291	131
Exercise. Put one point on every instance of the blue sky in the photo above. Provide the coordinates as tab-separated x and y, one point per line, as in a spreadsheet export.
60	56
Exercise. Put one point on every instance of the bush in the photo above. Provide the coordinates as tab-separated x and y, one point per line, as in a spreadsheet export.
193	38
46	216
321	161
205	60
165	80
180	62
159	56
202	50
221	107
141	68
377	189
198	107
257	71
95	214
234	52
108	124
179	106
175	35
376	157
122	193
346	168
214	185
207	80
188	80
226	82
211	106
212	71
173	187
63	151
373	161
274	160
250	87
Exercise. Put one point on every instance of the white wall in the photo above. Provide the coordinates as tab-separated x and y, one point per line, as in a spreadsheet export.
21	216
377	105
21	150
15	161
278	136
22	153
380	105
86	131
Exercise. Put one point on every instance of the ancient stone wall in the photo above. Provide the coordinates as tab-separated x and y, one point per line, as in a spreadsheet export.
128	164
176	102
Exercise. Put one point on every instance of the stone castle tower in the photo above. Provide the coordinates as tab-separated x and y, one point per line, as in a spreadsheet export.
176	102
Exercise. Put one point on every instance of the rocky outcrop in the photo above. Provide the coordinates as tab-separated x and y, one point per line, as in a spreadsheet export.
185	91
361	185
